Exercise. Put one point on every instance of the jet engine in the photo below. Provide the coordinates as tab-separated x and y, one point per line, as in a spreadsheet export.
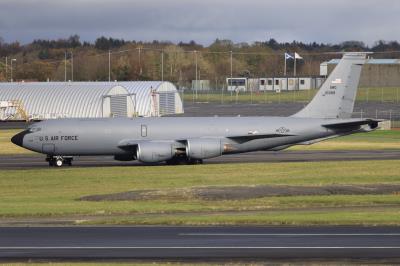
154	152
204	148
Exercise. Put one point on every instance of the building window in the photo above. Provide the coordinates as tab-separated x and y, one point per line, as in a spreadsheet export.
302	82
263	82
270	82
277	82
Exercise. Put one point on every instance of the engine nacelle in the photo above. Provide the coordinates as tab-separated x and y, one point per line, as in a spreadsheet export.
204	148
154	152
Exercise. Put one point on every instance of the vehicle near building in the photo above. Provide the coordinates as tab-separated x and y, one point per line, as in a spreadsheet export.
236	84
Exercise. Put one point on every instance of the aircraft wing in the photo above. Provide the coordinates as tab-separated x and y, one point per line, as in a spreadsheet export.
249	137
131	144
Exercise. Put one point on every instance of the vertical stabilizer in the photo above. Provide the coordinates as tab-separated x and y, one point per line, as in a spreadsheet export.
335	98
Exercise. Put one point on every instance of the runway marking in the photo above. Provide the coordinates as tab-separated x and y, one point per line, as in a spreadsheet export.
289	234
202	247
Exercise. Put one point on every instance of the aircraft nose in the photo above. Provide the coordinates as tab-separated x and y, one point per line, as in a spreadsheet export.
18	139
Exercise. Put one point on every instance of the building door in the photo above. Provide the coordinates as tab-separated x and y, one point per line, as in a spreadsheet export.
167	103
118	105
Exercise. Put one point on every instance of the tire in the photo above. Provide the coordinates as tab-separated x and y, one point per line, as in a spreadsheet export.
59	162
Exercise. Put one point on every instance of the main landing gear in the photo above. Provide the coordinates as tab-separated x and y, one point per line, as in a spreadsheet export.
183	160
59	161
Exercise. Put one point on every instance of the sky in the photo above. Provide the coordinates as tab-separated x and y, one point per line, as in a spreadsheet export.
328	21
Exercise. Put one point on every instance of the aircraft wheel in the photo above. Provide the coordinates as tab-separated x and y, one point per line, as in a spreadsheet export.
68	162
59	162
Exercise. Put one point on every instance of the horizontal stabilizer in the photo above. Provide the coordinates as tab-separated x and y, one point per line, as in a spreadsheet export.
373	123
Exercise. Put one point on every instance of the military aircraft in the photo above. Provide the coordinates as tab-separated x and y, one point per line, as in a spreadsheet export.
180	140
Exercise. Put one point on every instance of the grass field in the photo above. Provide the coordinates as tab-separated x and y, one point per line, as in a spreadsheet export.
52	193
6	146
389	94
376	140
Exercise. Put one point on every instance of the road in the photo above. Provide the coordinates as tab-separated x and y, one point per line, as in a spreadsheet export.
200	242
38	161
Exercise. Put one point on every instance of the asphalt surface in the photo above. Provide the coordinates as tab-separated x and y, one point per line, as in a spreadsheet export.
385	110
200	242
38	161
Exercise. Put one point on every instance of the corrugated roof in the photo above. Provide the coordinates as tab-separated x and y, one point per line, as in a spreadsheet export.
143	91
78	99
372	61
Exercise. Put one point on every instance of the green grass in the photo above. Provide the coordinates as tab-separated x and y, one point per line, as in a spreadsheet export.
7	147
52	193
377	140
389	94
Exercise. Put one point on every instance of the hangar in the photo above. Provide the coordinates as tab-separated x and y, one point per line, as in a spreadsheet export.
50	100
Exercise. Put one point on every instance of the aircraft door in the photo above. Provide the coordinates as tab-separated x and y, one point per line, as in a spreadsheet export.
143	131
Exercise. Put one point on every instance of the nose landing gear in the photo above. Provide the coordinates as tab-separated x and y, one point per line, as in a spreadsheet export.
59	161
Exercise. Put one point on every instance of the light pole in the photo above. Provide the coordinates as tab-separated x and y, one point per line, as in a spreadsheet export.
65	66
109	65
196	63
140	63
72	66
12	60
162	65
231	59
6	68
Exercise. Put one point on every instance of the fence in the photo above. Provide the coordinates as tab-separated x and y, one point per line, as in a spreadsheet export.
380	103
392	115
383	95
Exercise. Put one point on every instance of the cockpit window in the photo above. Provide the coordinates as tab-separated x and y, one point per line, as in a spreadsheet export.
34	129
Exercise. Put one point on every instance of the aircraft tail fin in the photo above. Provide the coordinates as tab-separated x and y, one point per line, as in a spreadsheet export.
335	98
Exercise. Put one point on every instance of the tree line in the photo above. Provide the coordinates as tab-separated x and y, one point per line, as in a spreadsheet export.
70	58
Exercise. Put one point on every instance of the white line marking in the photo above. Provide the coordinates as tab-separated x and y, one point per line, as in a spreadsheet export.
201	247
288	234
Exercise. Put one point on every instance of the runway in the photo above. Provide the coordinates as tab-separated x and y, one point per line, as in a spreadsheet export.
38	161
200	242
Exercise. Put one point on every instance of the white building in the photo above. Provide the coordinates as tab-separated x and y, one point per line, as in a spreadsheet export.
50	100
236	84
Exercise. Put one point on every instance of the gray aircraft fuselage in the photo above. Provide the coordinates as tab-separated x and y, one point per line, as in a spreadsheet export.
104	136
152	140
